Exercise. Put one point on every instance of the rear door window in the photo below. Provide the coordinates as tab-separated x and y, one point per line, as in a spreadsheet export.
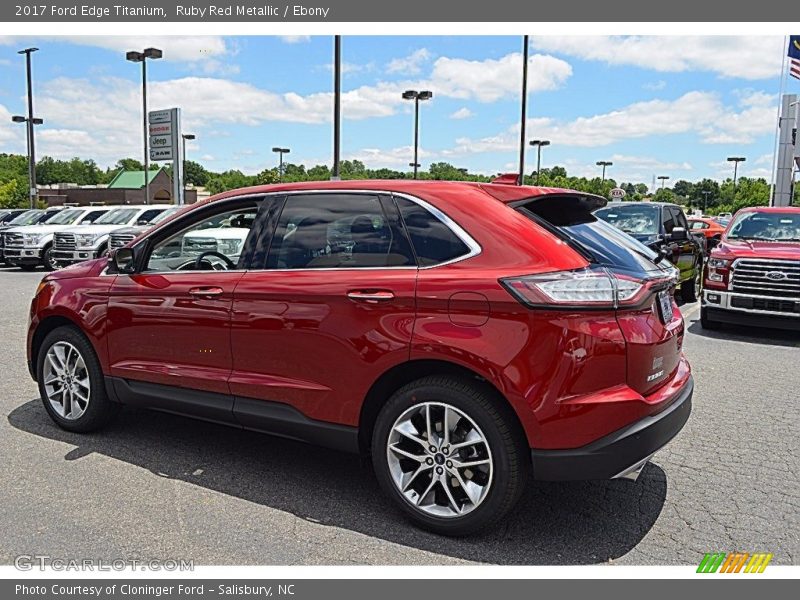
341	231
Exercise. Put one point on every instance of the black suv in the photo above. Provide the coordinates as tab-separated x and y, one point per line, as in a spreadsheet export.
664	228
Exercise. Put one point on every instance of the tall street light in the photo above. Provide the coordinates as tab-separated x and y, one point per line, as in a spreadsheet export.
524	108
281	152
184	137
337	105
31	159
31	121
141	57
417	97
604	164
663	179
539	144
735	160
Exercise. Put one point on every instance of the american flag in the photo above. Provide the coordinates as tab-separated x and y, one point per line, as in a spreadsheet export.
794	56
794	68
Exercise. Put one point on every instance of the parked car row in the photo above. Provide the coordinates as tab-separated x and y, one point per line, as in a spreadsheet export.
55	238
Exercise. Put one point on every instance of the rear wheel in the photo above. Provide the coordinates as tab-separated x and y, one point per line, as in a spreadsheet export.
71	382
448	456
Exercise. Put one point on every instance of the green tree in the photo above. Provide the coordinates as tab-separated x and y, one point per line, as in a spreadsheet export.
319	173
194	173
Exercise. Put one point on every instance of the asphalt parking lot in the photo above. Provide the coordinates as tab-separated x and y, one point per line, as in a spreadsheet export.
160	486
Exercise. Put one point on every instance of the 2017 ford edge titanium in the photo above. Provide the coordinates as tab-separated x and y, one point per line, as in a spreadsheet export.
465	336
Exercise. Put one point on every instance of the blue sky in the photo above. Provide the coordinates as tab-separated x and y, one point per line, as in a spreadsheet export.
668	105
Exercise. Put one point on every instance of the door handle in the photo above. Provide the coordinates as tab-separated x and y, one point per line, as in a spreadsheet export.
370	296
205	292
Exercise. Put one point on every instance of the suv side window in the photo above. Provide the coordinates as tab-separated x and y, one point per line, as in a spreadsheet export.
220	238
668	219
318	231
433	241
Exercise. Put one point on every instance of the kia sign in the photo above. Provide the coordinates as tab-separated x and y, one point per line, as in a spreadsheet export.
617	194
164	131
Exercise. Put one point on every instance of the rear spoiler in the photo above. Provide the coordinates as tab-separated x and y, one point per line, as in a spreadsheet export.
507	179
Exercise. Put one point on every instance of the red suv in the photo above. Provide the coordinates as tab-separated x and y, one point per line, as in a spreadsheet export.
464	335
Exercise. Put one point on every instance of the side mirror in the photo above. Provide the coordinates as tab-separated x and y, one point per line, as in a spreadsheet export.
124	260
679	234
142	222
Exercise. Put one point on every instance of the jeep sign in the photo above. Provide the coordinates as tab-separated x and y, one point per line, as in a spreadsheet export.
617	194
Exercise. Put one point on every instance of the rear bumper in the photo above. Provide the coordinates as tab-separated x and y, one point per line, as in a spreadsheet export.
620	452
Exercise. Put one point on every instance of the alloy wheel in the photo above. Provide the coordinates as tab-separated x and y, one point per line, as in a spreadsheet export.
66	381
439	460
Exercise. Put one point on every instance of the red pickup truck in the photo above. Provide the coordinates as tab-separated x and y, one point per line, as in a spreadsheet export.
753	276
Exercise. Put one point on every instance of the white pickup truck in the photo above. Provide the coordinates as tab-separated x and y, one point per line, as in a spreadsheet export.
77	244
30	246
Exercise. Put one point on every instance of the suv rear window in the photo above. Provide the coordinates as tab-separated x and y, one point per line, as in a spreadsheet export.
600	242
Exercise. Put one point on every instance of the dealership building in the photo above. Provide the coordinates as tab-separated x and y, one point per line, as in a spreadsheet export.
127	187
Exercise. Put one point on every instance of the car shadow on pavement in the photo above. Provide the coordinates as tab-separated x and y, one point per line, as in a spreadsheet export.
749	335
555	523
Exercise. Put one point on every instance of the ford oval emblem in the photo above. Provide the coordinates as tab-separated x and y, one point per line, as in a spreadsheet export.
776	275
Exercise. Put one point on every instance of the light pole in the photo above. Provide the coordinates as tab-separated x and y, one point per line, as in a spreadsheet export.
735	160
31	159
663	179
31	121
706	194
141	57
524	108
539	144
416	97
604	164
337	105
185	136
281	152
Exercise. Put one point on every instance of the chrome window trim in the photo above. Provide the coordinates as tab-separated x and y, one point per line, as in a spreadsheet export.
473	246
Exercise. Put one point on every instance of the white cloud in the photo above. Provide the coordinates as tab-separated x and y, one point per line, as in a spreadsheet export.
193	49
747	57
11	134
655	86
462	113
295	39
493	79
702	113
411	64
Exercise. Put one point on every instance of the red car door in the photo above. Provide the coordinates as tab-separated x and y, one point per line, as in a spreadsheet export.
170	323
331	310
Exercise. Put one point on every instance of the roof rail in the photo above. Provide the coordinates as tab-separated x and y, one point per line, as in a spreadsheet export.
507	179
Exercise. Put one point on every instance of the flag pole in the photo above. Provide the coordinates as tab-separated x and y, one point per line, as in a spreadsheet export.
781	90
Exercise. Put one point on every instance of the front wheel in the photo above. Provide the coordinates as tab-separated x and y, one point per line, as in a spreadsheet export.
449	456
71	382
692	288
705	322
48	260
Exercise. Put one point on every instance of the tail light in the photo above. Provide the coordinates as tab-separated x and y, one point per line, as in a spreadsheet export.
584	288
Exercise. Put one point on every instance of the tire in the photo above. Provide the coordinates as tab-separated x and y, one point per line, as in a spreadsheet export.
705	322
27	267
83	415
47	260
496	485
692	288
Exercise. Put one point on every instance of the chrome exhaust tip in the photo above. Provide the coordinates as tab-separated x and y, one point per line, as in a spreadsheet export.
632	473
